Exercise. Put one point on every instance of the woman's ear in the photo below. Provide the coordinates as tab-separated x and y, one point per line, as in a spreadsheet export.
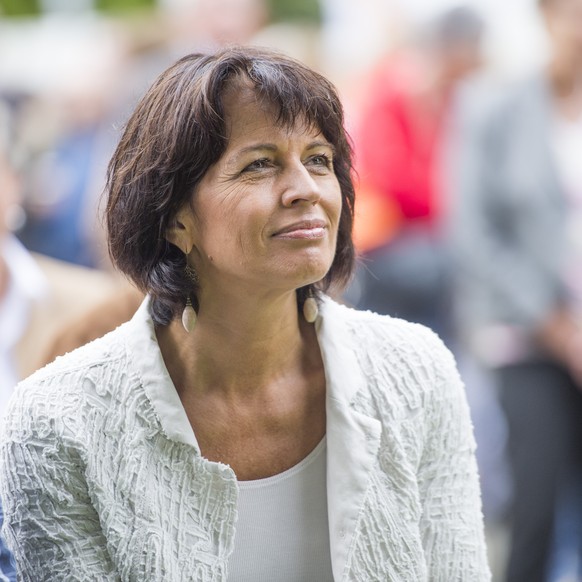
181	230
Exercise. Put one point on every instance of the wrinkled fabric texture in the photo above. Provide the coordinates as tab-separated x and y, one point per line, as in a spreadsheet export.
7	571
102	477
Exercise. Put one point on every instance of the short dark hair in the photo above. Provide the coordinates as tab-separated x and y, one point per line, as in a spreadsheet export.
177	132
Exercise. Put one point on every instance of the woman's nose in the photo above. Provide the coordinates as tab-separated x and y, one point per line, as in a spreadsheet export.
300	186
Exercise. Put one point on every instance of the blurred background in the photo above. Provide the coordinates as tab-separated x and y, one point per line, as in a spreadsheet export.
416	77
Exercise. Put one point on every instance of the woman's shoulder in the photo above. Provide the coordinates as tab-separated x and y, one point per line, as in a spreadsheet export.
375	328
106	351
409	362
386	343
59	389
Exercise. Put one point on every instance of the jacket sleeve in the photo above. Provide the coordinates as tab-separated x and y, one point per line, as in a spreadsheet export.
452	521
7	572
50	523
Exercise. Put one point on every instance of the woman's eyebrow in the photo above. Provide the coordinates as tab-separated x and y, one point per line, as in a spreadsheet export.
270	147
320	144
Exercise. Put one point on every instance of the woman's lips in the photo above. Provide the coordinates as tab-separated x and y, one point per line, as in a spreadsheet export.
306	229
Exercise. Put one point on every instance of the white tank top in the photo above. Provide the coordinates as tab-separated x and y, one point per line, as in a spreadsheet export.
282	530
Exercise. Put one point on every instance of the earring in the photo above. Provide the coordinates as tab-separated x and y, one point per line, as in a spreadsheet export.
310	309
189	316
191	274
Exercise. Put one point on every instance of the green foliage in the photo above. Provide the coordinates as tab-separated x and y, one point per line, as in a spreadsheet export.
281	10
19	7
295	10
123	5
33	8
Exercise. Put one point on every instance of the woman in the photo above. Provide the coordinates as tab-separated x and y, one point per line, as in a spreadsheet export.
242	425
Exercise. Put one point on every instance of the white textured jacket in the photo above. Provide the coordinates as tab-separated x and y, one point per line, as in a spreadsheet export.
102	478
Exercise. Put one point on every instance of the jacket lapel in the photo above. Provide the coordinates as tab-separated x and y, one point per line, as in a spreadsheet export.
353	439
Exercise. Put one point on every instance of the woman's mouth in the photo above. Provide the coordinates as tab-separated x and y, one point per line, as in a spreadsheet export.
304	229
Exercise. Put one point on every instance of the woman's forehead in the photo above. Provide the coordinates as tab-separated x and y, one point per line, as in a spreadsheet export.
248	113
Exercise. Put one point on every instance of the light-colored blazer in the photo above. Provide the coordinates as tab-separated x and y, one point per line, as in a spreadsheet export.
102	476
508	212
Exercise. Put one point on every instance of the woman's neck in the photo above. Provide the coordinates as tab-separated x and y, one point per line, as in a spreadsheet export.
239	347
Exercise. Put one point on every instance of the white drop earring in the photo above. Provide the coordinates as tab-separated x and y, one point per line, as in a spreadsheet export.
310	309
189	316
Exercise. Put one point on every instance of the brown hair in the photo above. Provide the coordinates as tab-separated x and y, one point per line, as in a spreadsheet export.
177	132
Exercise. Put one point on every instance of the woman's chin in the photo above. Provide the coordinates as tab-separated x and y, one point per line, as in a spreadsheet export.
309	276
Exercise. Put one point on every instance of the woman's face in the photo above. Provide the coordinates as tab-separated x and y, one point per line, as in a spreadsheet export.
266	215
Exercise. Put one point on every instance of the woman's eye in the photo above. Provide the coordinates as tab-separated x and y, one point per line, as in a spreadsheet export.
321	160
257	165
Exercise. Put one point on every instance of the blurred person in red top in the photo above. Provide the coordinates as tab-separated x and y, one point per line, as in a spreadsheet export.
399	145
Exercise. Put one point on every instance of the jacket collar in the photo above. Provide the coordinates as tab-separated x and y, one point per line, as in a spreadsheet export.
353	439
155	378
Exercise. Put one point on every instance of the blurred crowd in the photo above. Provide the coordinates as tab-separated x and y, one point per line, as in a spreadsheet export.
468	217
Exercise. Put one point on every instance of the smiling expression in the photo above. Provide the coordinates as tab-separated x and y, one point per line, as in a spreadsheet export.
266	214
